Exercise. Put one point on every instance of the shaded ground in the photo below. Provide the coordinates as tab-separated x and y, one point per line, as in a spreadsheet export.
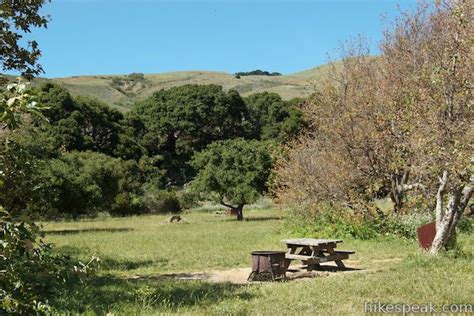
240	275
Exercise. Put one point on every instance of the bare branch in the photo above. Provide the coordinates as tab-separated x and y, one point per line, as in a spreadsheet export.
413	186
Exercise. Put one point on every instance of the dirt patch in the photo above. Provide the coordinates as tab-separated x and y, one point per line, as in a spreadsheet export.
240	275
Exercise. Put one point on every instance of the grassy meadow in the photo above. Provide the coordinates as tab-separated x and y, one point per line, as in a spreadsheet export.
139	254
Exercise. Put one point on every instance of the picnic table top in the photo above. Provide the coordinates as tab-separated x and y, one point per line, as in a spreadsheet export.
309	241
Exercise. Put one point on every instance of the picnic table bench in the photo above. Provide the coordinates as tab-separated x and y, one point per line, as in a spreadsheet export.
312	252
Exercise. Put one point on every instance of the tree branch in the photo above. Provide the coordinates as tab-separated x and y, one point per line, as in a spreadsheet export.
466	196
225	204
439	199
413	186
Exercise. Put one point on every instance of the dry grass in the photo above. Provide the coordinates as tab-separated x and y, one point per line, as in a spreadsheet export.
100	86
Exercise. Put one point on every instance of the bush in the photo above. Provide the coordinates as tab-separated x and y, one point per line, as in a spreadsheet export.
161	201
187	199
75	184
80	183
31	274
339	224
136	76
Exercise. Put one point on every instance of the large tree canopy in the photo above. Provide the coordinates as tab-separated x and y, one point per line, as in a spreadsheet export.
182	120
17	17
272	118
85	124
233	172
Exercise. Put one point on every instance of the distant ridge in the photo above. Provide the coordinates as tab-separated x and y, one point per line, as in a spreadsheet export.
121	91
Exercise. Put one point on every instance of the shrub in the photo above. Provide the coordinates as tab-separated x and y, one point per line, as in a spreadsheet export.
74	184
161	202
187	199
80	183
343	223
136	76
30	273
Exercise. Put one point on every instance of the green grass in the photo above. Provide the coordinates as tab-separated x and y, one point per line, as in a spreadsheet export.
391	270
148	245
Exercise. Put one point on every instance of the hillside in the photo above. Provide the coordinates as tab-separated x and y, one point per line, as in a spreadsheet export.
122	91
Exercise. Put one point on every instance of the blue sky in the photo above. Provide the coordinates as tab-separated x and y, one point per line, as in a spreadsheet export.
87	37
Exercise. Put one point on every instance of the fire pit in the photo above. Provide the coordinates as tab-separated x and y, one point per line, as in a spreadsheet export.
268	266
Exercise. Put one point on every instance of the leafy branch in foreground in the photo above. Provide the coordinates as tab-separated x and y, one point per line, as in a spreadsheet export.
17	19
14	102
30	272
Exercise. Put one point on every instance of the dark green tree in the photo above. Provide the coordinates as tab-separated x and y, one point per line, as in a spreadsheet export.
183	120
233	172
81	183
272	118
86	124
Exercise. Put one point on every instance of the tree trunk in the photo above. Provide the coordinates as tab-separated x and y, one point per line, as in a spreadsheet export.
235	209
447	219
396	194
400	187
239	211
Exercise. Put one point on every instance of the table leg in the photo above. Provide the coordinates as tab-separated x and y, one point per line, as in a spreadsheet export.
315	252
339	262
291	250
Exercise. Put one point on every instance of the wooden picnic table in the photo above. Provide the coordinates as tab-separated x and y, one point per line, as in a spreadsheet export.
313	252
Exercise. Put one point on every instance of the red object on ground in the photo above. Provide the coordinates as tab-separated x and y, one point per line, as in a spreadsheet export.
426	235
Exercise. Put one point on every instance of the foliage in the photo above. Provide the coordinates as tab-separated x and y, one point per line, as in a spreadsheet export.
48	173
271	118
85	183
136	76
18	17
161	201
80	183
23	153
389	127
31	274
13	102
135	178
182	120
233	171
187	198
85	124
257	72
331	223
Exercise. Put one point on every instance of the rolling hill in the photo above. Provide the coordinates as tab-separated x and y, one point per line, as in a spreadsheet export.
121	91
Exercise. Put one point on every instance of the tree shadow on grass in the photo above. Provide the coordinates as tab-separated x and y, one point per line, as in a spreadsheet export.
262	219
105	294
108	263
87	230
256	219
